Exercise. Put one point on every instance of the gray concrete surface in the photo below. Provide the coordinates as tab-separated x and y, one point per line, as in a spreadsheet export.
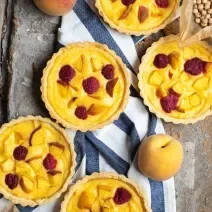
32	44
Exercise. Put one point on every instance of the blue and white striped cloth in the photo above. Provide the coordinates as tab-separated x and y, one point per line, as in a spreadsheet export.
114	147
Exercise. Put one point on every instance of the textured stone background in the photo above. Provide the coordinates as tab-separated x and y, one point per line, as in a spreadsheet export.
27	41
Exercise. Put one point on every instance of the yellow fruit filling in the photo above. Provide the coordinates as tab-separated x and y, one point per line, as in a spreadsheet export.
35	159
177	81
84	85
136	16
106	195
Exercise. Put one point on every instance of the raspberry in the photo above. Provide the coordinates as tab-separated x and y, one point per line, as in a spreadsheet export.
20	153
50	162
162	3
161	61
67	73
194	66
127	2
11	180
169	102
91	85
108	72
121	196
81	112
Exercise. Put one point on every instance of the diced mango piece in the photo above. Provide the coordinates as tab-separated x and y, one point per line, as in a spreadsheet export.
55	179
10	144
96	109
184	76
2	158
201	83
155	10
86	200
96	206
26	184
155	78
104	192
184	105
96	64
174	59
24	143
8	165
194	99
161	92
208	66
100	94
35	163
78	64
76	82
109	203
60	165
62	90
179	87
188	52
24	169
38	150
42	183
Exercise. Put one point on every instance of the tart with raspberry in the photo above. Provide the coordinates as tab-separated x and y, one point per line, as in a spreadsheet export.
106	192
37	161
176	83
85	86
137	17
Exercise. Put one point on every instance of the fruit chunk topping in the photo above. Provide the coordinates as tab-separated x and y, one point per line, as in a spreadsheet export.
20	153
81	112
126	13
67	73
162	3
121	196
161	61
142	14
11	180
170	102
127	2
195	66
110	86
50	162
32	134
54	172
91	85
108	72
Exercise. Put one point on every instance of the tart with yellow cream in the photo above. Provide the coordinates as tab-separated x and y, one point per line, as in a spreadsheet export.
36	161
85	86
137	17
105	192
176	83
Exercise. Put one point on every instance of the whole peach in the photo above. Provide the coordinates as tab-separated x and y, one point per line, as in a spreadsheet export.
55	7
160	157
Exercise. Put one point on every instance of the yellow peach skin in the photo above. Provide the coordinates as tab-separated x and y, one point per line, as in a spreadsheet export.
55	7
160	157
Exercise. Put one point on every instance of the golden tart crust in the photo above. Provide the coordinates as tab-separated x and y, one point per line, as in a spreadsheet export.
190	91
142	17
89	99
82	195
28	176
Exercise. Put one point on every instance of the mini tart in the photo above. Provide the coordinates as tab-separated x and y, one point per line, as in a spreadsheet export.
137	17
176	83
106	192
37	161
85	86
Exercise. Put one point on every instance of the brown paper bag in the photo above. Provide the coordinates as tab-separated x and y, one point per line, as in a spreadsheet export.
189	30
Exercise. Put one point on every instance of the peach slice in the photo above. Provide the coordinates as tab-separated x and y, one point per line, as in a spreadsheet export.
37	151
96	109
96	64
143	13
56	148
32	134
126	13
86	201
38	137
76	82
26	184
155	78
55	177
174	59
42	183
24	169
8	165
99	94
111	85
35	163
